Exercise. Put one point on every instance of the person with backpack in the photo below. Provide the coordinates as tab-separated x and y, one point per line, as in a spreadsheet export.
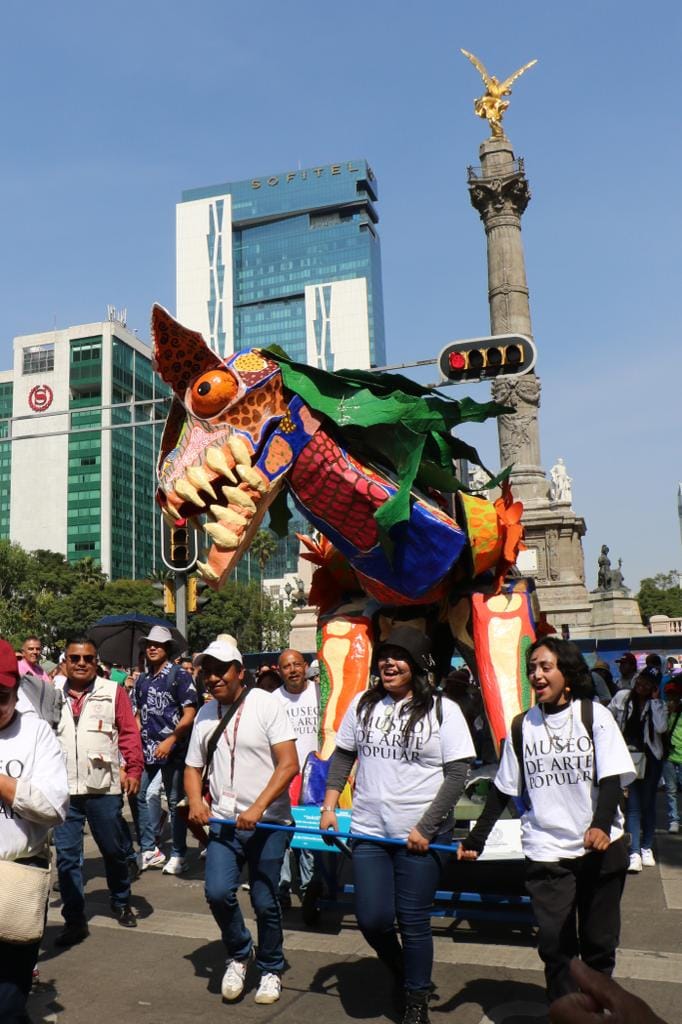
412	750
568	762
166	703
643	721
672	753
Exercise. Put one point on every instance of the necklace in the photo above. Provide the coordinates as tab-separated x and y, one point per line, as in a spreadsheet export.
556	741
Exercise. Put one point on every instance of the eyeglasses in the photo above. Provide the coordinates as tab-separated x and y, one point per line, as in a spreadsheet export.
89	659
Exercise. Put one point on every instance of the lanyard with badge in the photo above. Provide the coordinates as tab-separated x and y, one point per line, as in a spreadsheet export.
227	804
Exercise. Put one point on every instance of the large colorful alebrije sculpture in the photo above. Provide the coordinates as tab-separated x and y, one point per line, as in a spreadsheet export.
367	458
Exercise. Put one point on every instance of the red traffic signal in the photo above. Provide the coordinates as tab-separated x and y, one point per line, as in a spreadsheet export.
501	355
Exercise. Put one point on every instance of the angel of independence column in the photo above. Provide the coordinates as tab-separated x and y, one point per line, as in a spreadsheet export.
499	191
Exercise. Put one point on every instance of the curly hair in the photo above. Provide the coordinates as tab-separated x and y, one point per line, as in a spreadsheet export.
570	663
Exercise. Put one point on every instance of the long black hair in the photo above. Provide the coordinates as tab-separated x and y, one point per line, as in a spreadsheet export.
570	663
416	708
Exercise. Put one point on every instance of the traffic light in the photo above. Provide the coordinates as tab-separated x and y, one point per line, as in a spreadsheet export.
195	600
178	545
501	355
167	601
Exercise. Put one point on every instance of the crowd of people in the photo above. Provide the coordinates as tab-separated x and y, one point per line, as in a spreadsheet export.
224	747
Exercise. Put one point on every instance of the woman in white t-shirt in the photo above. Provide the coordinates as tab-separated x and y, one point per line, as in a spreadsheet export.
412	753
572	828
34	797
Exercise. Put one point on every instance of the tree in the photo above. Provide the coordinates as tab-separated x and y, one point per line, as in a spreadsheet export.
661	595
243	611
263	547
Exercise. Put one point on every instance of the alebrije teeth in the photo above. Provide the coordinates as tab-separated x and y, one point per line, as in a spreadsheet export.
223	537
198	476
217	461
253	478
228	515
205	570
236	496
187	492
239	449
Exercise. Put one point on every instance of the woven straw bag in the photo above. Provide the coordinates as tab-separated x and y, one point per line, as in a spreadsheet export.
24	892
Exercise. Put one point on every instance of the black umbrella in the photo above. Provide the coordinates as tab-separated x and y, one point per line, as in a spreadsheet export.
118	637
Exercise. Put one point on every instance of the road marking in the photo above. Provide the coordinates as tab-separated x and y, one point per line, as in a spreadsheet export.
634	964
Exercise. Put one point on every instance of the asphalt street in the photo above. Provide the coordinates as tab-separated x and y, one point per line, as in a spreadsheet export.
168	969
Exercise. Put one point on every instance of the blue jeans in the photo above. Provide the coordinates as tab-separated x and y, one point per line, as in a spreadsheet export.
172	782
640	810
306	868
262	850
103	815
392	883
672	773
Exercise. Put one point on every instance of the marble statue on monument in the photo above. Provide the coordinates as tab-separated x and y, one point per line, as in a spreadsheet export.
491	106
478	480
561	482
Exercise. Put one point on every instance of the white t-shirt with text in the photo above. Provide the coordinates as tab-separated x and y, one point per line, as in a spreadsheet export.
559	772
261	724
303	710
396	781
31	754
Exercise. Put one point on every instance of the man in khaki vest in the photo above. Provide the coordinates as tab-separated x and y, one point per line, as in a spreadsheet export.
98	734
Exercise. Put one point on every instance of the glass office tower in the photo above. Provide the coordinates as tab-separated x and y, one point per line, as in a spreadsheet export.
291	259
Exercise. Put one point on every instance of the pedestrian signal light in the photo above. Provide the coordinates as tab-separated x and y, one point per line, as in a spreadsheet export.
501	355
195	599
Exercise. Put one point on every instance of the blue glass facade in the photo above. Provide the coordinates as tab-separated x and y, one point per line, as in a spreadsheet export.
291	230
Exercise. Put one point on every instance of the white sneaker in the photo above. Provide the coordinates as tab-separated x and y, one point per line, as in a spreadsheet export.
234	977
673	828
635	865
152	859
176	866
269	988
648	859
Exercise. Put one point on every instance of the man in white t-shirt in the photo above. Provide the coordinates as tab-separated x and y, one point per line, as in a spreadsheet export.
248	778
300	698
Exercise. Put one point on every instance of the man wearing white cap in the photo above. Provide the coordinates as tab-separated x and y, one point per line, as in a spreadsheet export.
244	746
166	702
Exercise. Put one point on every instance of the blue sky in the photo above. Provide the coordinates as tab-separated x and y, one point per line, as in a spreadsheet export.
108	112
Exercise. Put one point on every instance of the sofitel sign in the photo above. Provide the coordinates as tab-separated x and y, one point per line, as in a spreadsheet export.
40	397
333	169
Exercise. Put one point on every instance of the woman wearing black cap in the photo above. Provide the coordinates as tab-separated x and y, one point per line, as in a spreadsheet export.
412	756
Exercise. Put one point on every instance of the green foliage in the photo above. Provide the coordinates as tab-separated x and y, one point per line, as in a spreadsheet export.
263	547
257	622
661	595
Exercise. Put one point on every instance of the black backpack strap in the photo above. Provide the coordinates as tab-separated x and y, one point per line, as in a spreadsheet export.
439	708
587	716
517	743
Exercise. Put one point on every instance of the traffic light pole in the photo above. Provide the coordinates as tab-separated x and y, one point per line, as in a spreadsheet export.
181	601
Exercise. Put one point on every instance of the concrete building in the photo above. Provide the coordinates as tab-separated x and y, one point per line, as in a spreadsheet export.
78	446
291	259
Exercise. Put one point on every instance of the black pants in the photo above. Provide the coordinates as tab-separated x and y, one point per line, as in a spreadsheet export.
16	973
576	902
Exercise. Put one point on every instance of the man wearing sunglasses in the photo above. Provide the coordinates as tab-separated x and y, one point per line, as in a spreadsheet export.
98	733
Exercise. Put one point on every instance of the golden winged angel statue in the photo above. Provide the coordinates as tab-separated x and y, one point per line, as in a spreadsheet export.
492	106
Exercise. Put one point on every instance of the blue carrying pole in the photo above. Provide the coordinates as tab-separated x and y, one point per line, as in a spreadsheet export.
329	834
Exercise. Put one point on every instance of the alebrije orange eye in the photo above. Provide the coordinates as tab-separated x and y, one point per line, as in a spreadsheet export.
212	392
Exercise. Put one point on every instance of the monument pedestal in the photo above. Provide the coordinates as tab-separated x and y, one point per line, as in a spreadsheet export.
304	630
615	614
555	561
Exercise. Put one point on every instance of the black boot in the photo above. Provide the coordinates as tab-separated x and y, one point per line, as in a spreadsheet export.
416	1008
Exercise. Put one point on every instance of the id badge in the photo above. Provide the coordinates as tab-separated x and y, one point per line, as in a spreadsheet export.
227	807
